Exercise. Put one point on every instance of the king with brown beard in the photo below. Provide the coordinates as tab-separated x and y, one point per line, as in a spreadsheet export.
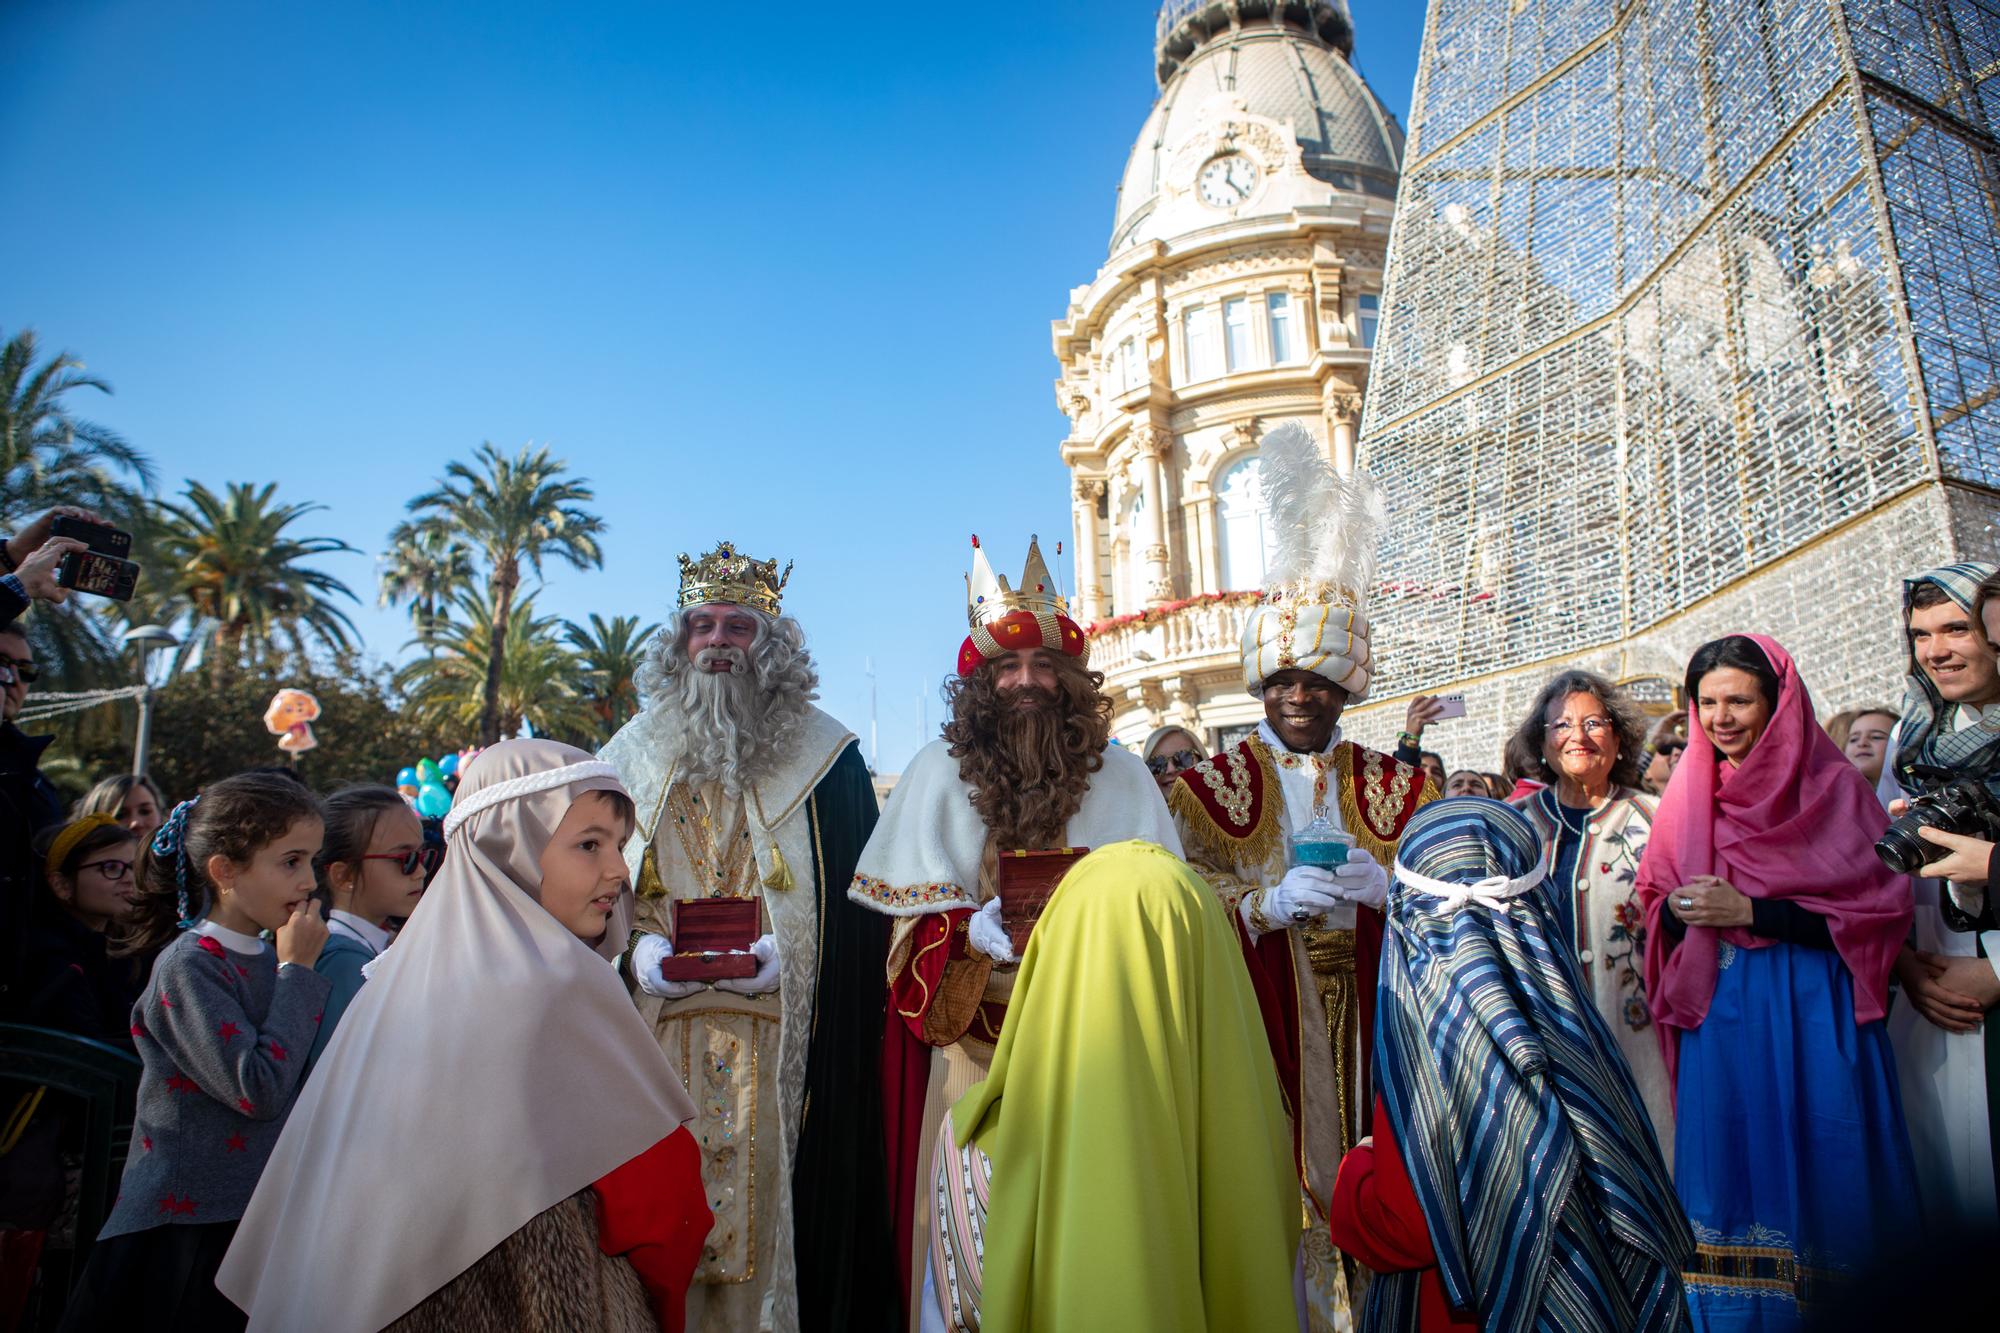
1024	763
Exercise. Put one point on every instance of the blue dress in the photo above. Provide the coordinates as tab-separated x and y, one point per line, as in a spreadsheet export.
1791	1155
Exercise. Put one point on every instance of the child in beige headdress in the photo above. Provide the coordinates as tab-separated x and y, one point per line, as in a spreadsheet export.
536	1172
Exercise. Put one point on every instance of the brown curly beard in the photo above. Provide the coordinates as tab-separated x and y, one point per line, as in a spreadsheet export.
1028	767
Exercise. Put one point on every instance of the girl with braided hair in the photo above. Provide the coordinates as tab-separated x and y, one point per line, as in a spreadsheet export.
222	1029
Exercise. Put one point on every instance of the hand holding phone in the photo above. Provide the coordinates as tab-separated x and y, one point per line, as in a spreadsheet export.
101	568
1449	705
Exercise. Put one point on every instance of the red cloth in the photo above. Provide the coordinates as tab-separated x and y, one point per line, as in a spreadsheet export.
1376	1218
906	1070
1795	821
1276	984
654	1211
1019	630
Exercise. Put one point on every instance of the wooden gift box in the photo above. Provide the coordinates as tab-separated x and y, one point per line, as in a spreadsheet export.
1026	880
704	929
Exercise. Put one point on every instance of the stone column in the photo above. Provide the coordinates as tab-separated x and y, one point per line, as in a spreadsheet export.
1089	592
1155	445
1343	415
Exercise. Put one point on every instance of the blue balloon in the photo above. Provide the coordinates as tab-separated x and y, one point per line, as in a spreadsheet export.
406	776
449	764
433	801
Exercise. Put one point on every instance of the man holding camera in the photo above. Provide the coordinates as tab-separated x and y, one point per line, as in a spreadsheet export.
28	803
1950	732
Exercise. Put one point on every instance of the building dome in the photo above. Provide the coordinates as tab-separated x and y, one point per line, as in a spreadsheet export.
1285	61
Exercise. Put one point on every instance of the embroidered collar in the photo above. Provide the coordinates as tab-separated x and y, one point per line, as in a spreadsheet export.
1292	759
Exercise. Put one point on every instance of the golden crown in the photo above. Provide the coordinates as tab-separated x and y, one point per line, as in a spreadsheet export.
988	598
726	575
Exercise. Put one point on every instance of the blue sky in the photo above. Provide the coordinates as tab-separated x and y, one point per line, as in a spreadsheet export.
782	275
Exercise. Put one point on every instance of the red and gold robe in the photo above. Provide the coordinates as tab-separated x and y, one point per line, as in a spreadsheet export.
1316	987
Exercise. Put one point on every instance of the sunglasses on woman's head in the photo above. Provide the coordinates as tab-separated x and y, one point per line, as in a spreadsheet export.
425	858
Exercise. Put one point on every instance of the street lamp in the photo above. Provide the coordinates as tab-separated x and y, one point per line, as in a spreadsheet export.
146	639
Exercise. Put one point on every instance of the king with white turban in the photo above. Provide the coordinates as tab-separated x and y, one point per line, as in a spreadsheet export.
1311	934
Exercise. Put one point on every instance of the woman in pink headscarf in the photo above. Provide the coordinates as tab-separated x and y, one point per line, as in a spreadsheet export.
1771	929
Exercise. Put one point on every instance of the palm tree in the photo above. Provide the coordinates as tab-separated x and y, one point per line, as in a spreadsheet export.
511	510
426	566
49	457
609	652
538	683
243	576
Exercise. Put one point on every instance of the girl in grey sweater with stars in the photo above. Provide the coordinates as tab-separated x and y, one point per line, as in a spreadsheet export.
223	1029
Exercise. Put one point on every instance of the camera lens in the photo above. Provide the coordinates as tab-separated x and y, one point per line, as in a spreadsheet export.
1901	849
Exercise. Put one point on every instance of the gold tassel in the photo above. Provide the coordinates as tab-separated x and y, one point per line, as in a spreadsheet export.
779	877
650	885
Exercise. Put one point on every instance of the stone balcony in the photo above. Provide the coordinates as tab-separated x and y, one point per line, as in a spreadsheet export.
1180	636
1175	665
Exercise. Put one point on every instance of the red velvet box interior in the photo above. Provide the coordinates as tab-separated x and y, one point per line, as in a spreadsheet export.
1026	880
703	929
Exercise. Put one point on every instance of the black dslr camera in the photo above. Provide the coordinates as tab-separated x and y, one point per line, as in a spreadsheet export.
1954	804
102	569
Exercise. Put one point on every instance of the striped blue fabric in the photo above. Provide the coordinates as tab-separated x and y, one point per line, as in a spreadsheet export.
1529	1149
1925	734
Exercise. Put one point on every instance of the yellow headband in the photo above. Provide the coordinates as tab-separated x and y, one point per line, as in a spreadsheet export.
73	833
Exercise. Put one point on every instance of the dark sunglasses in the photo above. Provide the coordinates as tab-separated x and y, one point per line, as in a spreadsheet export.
1670	747
426	858
11	671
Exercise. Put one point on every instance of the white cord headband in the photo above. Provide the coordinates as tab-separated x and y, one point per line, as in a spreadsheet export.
469	804
1495	893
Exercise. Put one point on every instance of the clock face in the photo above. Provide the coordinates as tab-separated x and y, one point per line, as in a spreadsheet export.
1226	181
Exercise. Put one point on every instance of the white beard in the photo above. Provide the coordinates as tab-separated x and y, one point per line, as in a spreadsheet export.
724	734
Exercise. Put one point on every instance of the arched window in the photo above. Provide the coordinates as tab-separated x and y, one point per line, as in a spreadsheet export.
1131	594
1245	525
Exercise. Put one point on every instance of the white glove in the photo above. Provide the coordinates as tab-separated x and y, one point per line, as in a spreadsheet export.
985	933
1302	898
1362	880
765	950
647	955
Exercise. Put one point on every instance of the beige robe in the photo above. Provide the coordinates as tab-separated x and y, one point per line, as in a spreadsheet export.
743	1057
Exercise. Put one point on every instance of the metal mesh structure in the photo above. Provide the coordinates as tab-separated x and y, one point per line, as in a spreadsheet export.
1690	304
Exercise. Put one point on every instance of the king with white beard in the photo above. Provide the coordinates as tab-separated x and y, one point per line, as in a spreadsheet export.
746	790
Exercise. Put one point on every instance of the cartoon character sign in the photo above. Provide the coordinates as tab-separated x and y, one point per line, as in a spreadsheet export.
290	719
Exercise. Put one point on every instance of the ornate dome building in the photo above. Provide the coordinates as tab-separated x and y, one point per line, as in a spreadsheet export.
1242	290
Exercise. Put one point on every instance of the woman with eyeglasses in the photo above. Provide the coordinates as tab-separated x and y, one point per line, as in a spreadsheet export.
1664	748
1584	741
372	867
73	984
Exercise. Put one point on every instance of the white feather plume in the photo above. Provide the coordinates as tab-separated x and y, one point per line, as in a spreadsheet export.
1326	525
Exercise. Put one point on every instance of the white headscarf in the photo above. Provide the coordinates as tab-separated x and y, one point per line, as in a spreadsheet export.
491	1067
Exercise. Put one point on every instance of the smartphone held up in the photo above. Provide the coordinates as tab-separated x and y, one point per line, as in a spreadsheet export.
101	570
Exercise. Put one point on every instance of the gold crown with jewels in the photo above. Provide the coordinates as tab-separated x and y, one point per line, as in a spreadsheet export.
727	575
988	598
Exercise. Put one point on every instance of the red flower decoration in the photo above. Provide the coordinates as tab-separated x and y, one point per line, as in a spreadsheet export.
138	1029
146	1142
182	1083
242	971
277	1052
208	944
318	1017
178	1207
165	1003
228	1030
243	1105
236	1143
